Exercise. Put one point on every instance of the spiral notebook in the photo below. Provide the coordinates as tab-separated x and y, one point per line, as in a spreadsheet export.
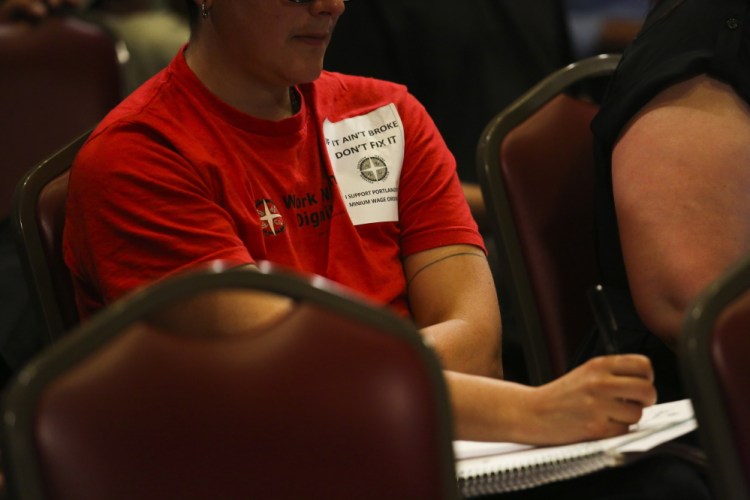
486	467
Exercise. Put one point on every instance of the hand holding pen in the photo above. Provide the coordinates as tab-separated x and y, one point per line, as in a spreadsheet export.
606	322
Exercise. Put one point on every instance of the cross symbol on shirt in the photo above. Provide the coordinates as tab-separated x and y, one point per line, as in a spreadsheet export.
268	217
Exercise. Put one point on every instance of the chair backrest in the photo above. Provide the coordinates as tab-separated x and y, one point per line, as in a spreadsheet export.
59	77
714	352
337	399
39	218
535	163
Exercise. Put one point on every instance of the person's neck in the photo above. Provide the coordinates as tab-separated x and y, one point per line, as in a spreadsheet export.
231	86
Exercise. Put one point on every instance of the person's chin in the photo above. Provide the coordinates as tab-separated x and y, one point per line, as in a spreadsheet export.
309	75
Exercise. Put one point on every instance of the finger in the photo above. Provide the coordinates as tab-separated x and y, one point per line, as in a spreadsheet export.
633	389
618	429
625	412
632	365
611	428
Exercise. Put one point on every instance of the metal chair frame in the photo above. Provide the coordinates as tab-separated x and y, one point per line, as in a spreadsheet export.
513	265
21	399
698	352
55	307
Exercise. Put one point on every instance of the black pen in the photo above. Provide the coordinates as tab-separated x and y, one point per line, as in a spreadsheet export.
605	319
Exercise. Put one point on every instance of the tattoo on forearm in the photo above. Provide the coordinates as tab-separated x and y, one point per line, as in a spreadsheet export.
410	280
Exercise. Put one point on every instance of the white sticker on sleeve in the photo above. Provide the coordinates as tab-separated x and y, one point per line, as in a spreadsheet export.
367	153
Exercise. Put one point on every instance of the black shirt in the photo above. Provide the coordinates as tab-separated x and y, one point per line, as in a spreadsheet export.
680	39
465	61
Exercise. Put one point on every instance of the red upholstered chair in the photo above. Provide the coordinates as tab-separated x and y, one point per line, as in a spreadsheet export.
535	163
39	218
59	77
715	358
336	400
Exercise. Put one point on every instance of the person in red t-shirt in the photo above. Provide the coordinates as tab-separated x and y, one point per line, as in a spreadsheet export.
243	149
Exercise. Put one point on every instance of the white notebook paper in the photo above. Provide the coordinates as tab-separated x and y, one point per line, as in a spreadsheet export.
487	467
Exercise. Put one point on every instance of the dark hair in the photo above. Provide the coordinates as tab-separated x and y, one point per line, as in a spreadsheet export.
193	12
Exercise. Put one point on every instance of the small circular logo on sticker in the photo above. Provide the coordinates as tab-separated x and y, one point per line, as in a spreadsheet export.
373	169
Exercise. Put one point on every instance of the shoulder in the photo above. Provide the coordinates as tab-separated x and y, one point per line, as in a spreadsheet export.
691	114
155	125
695	135
342	83
338	96
680	40
131	146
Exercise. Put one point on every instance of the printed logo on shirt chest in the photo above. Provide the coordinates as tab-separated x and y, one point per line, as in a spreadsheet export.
271	221
308	209
367	153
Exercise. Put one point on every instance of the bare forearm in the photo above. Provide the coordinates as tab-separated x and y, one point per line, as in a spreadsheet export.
486	409
223	314
598	399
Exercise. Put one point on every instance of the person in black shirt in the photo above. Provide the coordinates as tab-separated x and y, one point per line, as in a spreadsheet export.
673	180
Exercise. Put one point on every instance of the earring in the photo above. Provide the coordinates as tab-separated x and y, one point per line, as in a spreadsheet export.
204	10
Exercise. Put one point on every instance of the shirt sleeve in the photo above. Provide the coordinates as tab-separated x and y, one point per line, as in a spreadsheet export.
137	211
433	210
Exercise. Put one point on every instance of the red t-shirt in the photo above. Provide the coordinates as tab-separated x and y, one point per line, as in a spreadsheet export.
175	177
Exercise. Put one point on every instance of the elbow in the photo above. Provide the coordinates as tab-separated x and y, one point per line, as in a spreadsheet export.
487	358
495	368
663	315
485	355
477	354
